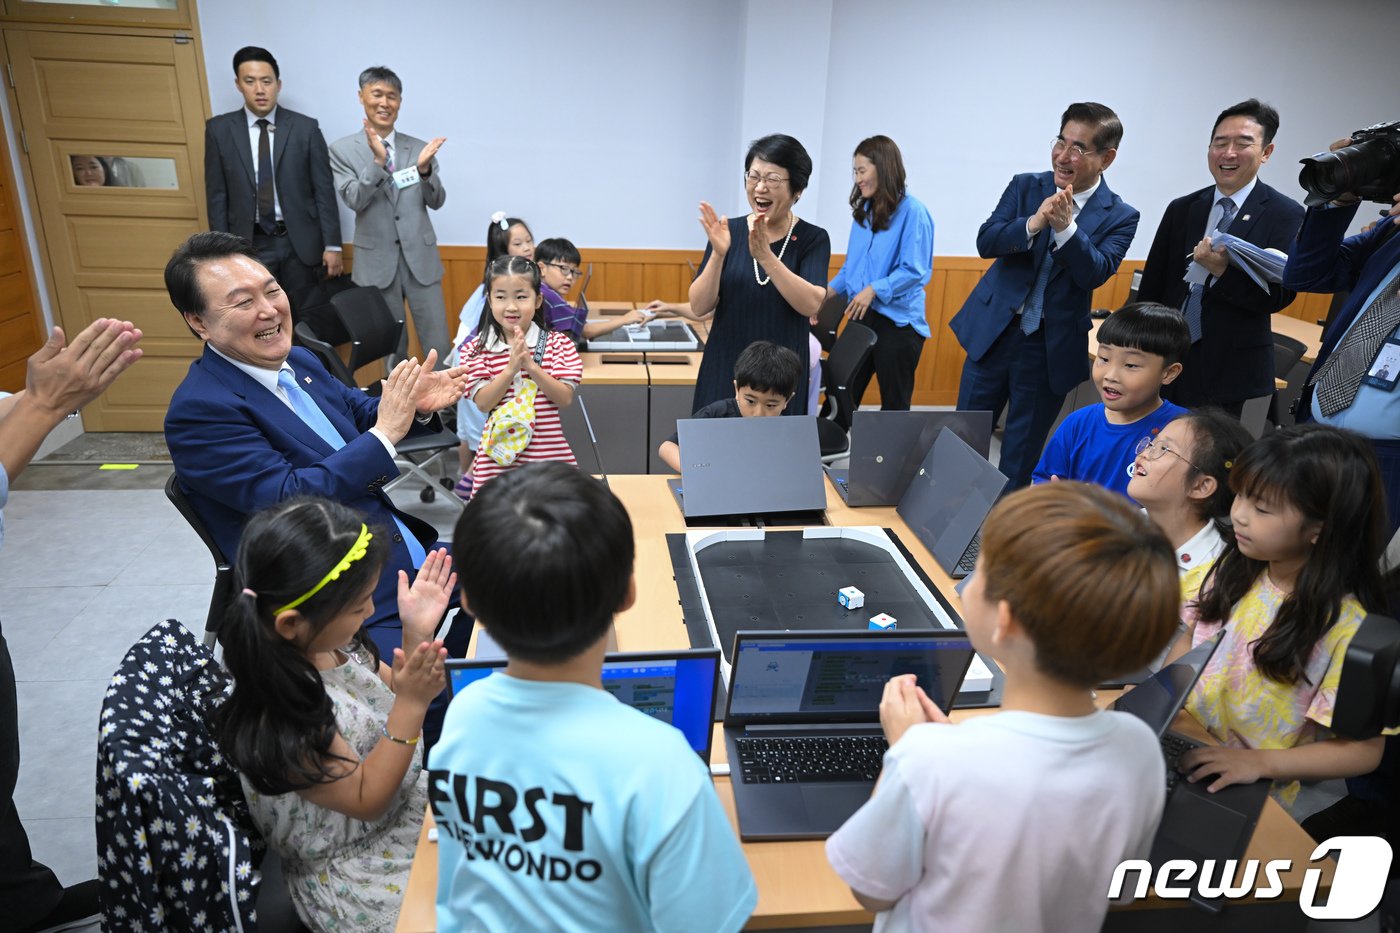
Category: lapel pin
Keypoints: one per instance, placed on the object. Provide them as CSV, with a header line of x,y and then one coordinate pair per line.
x,y
1246,217
308,380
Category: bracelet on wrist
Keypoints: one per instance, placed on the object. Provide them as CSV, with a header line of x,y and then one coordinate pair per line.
x,y
393,738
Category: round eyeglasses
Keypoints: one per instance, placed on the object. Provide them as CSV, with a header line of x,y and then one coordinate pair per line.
x,y
1152,448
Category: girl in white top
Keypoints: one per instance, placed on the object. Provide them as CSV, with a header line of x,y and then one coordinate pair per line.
x,y
1182,480
1016,820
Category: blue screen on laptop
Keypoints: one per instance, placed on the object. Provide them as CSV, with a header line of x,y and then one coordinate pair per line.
x,y
679,691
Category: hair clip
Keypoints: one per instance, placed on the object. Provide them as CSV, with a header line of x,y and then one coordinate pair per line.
x,y
357,550
1229,463
248,592
500,218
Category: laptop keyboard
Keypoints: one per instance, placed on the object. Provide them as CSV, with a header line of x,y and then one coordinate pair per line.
x,y
1173,747
968,562
817,759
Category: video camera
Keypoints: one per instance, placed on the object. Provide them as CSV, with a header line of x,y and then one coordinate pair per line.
x,y
1368,168
1368,695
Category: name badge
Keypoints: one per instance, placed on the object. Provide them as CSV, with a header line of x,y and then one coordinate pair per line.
x,y
406,177
1384,371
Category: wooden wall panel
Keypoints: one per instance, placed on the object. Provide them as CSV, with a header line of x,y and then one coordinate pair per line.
x,y
644,274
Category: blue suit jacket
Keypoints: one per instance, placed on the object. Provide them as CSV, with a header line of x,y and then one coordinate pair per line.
x,y
1106,227
1322,261
238,449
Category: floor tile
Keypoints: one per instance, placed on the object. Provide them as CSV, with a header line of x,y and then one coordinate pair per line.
x,y
122,614
32,616
68,846
58,723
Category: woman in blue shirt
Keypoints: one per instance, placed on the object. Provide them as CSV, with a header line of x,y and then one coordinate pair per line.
x,y
889,258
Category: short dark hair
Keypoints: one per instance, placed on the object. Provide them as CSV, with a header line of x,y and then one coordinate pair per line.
x,y
557,249
766,367
784,151
1256,110
1108,129
252,53
181,272
376,74
498,236
544,554
1149,327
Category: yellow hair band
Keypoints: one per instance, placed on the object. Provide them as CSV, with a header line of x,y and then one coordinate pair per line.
x,y
357,550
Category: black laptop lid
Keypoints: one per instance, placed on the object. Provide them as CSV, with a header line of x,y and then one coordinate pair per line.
x,y
949,497
1158,699
750,466
837,676
676,687
887,448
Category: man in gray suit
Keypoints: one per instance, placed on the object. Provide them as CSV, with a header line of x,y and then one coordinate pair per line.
x,y
390,180
288,211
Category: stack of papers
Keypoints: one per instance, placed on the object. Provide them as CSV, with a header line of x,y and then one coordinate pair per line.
x,y
1262,265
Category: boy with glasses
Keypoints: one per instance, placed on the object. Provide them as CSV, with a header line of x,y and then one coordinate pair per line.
x,y
559,263
1141,347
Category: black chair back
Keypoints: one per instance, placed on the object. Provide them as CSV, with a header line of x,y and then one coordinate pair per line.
x,y
325,353
1287,352
373,327
847,358
223,569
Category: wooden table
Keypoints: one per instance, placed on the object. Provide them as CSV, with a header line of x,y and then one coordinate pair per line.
x,y
1305,332
796,885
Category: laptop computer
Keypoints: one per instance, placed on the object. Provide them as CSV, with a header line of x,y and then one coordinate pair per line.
x,y
888,446
676,687
948,500
749,466
1196,824
802,726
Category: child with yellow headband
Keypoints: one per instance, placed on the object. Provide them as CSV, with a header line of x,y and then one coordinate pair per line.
x,y
324,734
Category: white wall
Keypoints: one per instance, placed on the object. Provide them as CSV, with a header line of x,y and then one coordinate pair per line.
x,y
607,121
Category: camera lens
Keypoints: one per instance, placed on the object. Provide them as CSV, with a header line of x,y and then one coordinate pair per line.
x,y
1351,169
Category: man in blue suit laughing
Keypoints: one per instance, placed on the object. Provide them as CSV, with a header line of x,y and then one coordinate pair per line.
x,y
1056,236
257,421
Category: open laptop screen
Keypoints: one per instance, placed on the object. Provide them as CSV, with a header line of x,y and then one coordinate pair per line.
x,y
839,676
1158,699
675,687
745,466
949,497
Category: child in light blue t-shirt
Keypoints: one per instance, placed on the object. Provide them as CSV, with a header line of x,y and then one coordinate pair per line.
x,y
559,808
1141,347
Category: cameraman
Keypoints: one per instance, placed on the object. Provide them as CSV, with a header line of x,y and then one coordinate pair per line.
x,y
1367,265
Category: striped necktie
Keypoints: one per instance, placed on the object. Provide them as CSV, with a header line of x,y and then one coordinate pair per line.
x,y
1192,308
1339,379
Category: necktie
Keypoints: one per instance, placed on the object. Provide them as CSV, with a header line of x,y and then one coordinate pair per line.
x,y
388,156
267,211
310,413
1340,377
1035,301
1192,308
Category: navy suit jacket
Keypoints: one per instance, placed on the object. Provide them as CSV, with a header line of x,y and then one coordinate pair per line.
x,y
1234,358
301,166
1322,261
237,449
1087,260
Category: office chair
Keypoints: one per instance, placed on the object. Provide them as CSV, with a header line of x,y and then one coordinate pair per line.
x,y
1287,352
848,357
223,569
374,335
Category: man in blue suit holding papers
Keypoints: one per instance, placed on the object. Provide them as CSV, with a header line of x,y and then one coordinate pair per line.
x,y
1056,236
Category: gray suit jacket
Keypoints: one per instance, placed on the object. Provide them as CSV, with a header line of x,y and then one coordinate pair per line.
x,y
388,220
301,168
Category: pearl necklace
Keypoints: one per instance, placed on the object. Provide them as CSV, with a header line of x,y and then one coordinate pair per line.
x,y
792,225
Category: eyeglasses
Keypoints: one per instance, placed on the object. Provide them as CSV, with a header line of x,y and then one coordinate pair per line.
x,y
569,272
1153,448
1076,150
751,180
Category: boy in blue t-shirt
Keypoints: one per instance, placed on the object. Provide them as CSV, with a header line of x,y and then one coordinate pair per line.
x,y
559,808
1141,347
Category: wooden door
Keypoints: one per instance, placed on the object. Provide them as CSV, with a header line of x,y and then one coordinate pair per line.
x,y
133,103
21,321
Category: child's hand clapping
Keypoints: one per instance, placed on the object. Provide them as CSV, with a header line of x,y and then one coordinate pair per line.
x,y
520,359
421,675
421,605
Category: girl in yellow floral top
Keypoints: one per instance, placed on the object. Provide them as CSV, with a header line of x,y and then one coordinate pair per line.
x,y
1290,591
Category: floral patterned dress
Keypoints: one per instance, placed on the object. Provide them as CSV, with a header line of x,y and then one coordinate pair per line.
x,y
346,874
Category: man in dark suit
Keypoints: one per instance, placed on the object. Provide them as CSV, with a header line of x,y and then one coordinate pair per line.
x,y
288,212
242,438
1232,348
1056,236
1367,265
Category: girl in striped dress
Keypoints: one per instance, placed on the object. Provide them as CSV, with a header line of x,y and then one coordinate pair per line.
x,y
515,354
